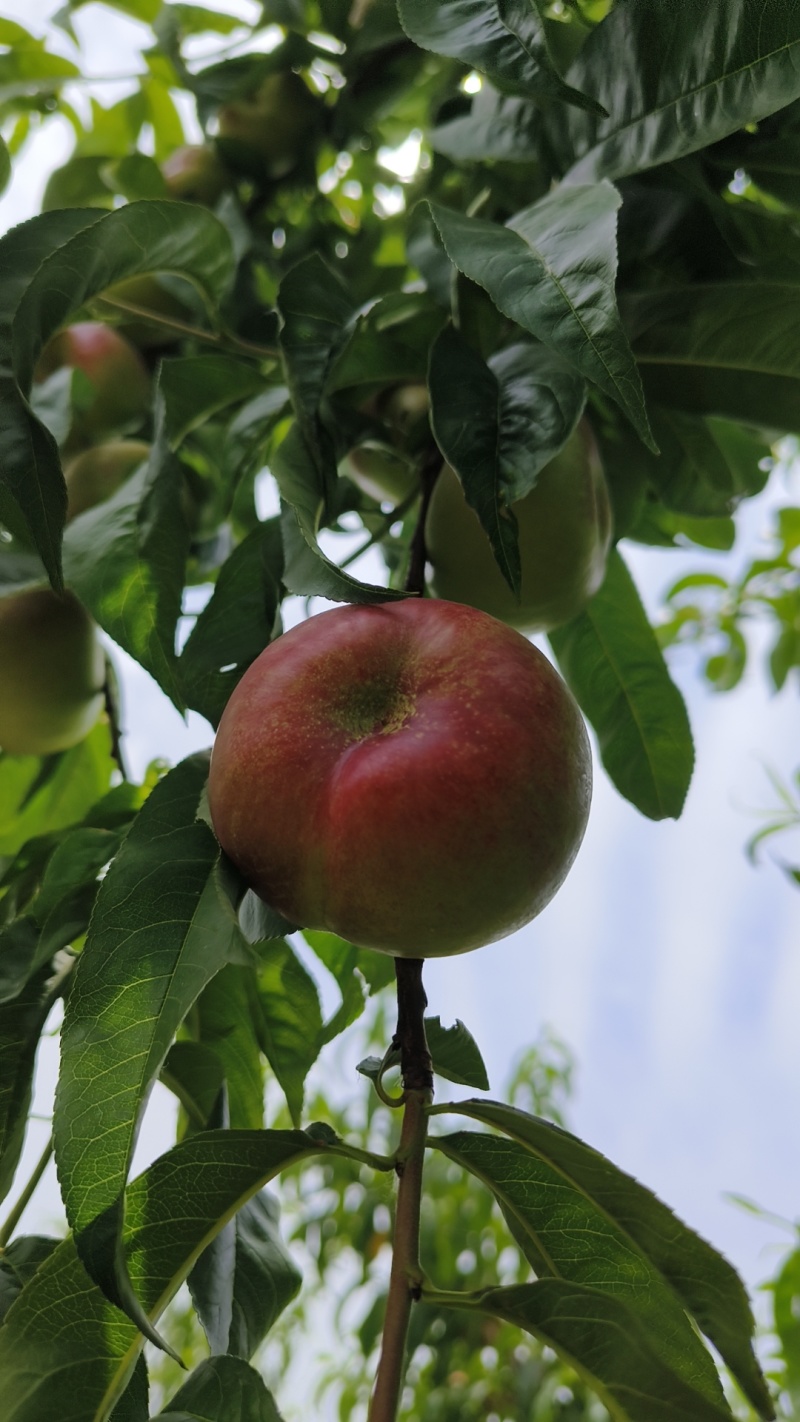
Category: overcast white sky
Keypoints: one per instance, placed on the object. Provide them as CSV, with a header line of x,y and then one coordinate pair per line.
x,y
668,964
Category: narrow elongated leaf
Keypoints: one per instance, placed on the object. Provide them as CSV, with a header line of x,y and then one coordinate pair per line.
x,y
726,349
52,266
611,660
601,1338
236,624
701,72
710,1288
572,1239
160,931
126,558
222,1390
21,1023
306,569
552,270
504,39
134,1405
465,414
245,1279
289,1022
224,1019
5,165
172,1212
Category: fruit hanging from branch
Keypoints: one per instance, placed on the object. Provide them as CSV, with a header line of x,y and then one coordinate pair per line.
x,y
564,538
271,126
120,382
53,670
96,474
194,173
413,776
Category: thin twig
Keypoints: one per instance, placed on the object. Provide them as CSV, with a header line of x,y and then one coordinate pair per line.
x,y
20,1207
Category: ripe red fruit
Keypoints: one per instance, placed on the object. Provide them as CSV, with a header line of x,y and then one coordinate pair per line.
x,y
52,669
117,372
413,776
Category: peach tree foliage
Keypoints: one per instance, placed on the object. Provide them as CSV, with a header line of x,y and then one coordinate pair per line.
x,y
602,224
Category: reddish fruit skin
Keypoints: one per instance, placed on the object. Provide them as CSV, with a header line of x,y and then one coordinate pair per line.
x,y
413,776
117,372
96,474
52,669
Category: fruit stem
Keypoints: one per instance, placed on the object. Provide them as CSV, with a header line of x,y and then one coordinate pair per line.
x,y
415,577
406,1279
20,1207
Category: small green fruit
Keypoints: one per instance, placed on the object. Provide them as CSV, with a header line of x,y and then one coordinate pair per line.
x,y
194,173
92,477
564,537
52,672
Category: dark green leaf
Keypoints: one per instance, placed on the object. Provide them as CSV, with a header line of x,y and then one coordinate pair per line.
x,y
314,311
52,266
160,931
706,466
244,1280
21,1023
456,1054
236,624
497,127
708,1285
390,342
611,660
307,570
20,1260
725,349
195,1074
289,1022
172,1211
552,269
134,1405
222,1390
786,1306
79,777
574,1240
699,73
602,1339
224,1020
504,39
196,387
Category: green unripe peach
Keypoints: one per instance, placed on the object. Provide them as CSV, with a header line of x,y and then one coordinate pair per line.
x,y
52,670
564,537
97,473
274,122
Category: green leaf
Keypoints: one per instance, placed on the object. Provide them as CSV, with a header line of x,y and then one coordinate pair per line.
x,y
307,570
244,1280
52,266
289,1020
504,39
222,1390
699,73
786,1307
21,1023
726,349
603,1340
195,1074
236,624
5,165
18,1264
160,931
172,1212
707,1284
570,1238
552,269
314,310
343,959
389,342
465,414
497,127
456,1054
707,466
196,387
32,805
134,1405
126,559
223,1020
611,660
